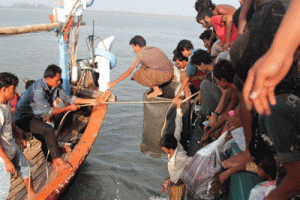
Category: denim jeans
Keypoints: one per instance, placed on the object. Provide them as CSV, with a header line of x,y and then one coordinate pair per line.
x,y
22,167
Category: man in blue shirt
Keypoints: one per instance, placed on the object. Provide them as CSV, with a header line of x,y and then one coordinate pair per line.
x,y
187,50
36,105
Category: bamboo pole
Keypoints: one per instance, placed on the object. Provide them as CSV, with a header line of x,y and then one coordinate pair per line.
x,y
29,29
73,48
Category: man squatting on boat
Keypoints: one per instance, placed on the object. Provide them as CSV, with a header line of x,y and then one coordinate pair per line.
x,y
12,158
35,106
156,68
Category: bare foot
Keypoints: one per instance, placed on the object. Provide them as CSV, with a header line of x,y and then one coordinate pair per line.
x,y
65,147
59,164
154,94
31,194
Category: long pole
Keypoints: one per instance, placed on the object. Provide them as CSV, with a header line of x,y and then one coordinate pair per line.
x,y
29,29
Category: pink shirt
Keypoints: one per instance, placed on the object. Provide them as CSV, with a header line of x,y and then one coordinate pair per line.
x,y
220,28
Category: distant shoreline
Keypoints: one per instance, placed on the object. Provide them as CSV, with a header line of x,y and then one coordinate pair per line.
x,y
48,8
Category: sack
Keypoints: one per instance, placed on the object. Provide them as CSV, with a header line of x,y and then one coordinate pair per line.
x,y
201,175
261,190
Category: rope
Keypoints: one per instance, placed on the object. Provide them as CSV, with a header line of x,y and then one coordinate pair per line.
x,y
165,121
47,172
148,102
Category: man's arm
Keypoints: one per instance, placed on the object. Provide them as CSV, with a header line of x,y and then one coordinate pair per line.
x,y
122,77
186,88
228,21
184,83
72,107
290,184
271,68
218,110
233,103
243,16
8,164
212,37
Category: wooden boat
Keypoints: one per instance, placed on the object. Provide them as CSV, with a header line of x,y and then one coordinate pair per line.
x,y
83,131
80,128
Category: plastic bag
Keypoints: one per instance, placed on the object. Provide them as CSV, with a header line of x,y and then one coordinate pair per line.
x,y
201,175
261,190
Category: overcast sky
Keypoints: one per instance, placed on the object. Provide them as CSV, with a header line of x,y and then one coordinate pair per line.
x,y
168,7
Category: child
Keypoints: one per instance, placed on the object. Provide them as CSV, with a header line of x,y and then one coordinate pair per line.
x,y
178,159
11,157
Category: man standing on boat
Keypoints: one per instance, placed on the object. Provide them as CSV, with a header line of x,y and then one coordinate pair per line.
x,y
36,105
156,68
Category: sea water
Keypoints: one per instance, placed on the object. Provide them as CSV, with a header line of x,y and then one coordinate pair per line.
x,y
115,168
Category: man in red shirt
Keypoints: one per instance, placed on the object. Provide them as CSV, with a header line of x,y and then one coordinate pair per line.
x,y
222,24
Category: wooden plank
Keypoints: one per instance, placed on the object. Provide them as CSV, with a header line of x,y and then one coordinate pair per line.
x,y
78,126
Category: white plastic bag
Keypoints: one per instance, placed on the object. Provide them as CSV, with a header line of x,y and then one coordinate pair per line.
x,y
201,175
239,137
261,190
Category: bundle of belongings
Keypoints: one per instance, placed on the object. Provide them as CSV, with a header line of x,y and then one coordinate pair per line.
x,y
201,175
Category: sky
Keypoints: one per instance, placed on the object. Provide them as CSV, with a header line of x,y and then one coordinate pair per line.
x,y
166,7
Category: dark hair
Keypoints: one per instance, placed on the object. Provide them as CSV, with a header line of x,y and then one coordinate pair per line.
x,y
178,56
224,69
184,44
168,141
203,4
138,40
7,79
29,83
51,71
206,34
201,15
201,56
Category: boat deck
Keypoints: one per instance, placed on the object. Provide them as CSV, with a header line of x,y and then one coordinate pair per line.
x,y
42,172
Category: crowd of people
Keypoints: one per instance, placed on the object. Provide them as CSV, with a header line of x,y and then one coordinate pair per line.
x,y
245,68
250,66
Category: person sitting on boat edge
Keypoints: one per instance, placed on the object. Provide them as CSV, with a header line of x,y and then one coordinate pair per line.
x,y
37,103
11,157
177,157
182,63
186,48
223,74
156,68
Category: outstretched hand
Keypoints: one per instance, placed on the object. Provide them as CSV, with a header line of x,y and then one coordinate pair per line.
x,y
262,79
111,85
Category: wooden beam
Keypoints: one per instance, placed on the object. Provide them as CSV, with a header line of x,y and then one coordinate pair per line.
x,y
29,29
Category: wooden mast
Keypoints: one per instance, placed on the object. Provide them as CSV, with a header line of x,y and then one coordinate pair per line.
x,y
29,29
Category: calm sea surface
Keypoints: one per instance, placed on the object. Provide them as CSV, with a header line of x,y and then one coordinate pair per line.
x,y
115,168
